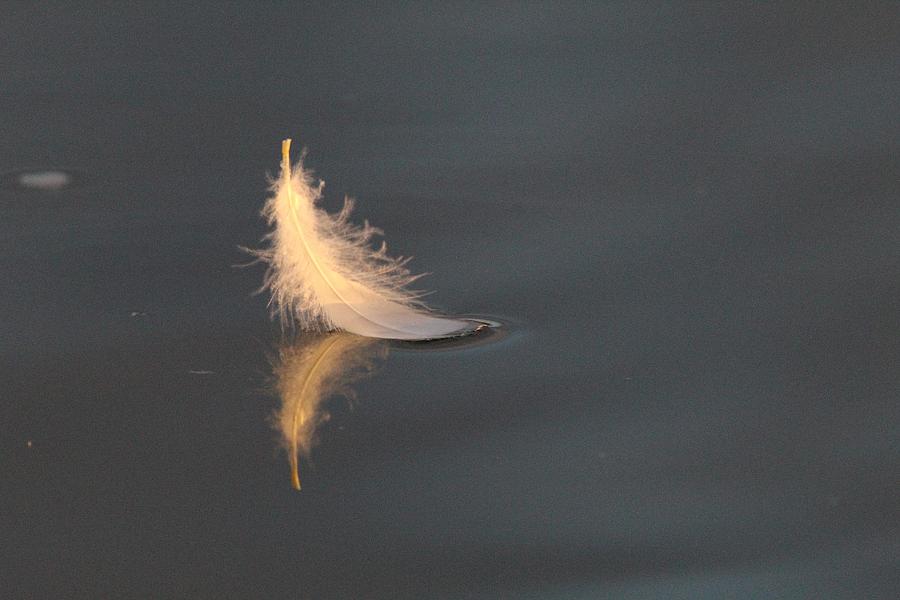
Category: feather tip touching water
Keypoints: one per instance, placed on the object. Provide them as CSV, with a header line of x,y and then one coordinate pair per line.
x,y
325,275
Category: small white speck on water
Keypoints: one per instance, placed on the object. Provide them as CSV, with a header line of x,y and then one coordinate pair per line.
x,y
44,180
201,372
29,444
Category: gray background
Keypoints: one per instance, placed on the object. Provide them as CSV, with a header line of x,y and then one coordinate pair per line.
x,y
687,215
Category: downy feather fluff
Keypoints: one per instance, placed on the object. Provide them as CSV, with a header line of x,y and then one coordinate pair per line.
x,y
325,275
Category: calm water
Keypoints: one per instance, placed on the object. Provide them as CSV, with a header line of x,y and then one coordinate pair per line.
x,y
687,217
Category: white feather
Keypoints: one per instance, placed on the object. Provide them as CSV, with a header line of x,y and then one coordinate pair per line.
x,y
324,274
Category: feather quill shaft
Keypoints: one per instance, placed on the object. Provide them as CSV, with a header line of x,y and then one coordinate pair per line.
x,y
325,275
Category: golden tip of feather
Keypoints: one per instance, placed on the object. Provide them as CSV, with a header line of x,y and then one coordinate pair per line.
x,y
295,479
286,149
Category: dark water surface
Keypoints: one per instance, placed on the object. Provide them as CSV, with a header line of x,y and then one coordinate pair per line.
x,y
688,216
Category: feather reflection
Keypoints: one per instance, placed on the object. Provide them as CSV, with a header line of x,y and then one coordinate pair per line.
x,y
308,373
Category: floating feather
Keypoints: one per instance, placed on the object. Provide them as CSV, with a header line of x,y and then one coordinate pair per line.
x,y
310,372
325,275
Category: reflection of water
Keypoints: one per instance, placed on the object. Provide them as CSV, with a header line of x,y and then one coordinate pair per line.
x,y
308,373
